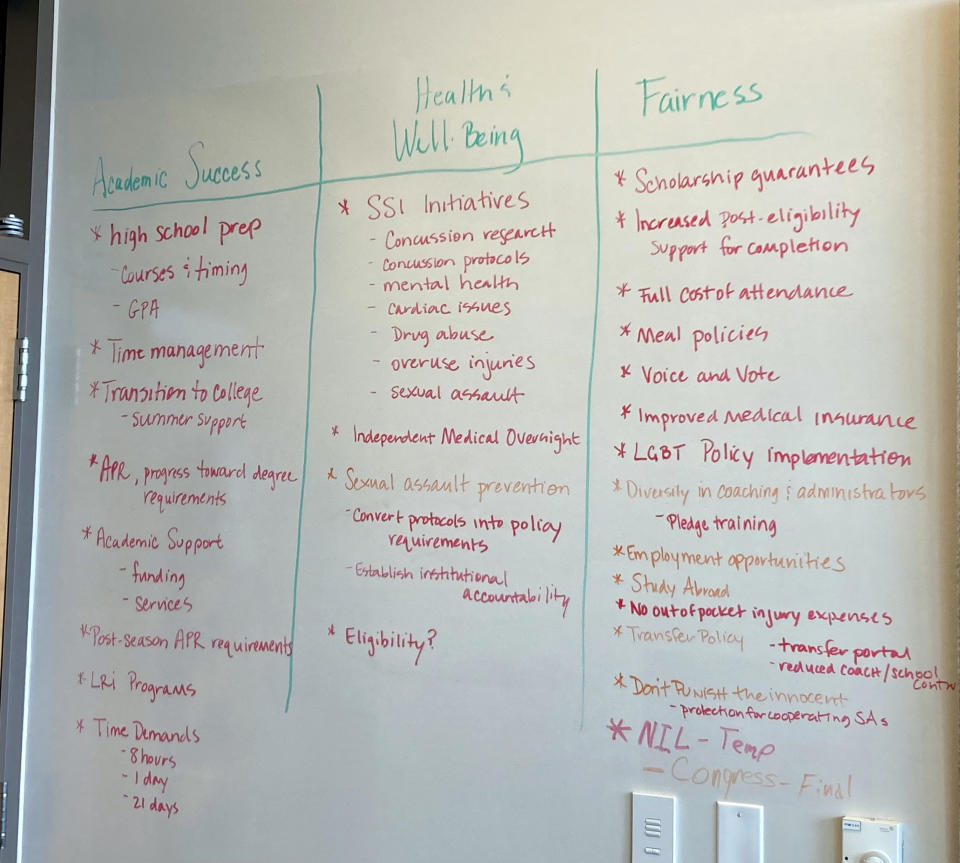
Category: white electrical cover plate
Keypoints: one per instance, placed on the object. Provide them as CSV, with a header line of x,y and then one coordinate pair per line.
x,y
871,840
739,833
654,828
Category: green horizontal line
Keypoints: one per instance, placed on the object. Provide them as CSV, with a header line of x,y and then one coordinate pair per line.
x,y
508,168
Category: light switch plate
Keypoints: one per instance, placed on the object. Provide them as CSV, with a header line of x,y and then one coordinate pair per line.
x,y
654,828
871,840
739,833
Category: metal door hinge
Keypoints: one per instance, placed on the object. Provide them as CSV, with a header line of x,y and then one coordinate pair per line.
x,y
3,817
21,360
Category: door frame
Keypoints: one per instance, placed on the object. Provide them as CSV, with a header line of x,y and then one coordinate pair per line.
x,y
19,556
28,258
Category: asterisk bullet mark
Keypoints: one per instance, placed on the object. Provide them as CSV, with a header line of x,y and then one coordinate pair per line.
x,y
617,578
619,682
623,290
80,678
616,485
330,474
79,726
93,459
625,329
625,411
618,551
335,430
621,218
94,388
618,729
95,346
620,603
86,532
618,631
622,450
330,630
625,370
95,230
344,208
621,177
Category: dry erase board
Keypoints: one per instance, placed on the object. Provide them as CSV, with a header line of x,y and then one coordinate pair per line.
x,y
456,419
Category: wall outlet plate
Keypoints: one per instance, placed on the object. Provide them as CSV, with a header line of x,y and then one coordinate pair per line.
x,y
739,833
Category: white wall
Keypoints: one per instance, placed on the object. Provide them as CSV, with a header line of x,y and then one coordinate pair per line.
x,y
497,730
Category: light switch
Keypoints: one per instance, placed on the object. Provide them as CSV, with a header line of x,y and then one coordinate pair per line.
x,y
739,833
654,828
871,840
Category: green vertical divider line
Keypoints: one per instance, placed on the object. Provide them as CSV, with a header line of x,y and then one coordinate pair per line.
x,y
306,421
593,354
595,155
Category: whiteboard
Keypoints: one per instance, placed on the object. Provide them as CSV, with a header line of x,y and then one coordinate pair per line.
x,y
454,421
